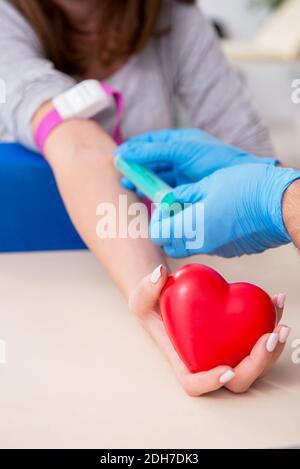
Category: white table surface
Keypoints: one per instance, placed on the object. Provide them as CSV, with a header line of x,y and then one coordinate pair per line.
x,y
80,372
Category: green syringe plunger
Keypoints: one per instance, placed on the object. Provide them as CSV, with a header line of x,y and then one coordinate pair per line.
x,y
147,182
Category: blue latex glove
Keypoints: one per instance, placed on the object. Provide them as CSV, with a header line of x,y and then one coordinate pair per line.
x,y
184,155
242,213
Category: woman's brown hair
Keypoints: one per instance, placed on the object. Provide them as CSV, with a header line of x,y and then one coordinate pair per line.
x,y
125,27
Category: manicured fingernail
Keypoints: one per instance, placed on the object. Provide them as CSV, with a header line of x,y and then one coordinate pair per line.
x,y
272,342
227,376
281,300
156,274
283,334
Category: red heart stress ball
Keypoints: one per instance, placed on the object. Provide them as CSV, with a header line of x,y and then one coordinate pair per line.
x,y
211,322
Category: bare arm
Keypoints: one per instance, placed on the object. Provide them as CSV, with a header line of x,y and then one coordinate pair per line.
x,y
80,155
291,211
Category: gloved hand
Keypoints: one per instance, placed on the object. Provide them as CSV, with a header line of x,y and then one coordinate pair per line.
x,y
242,213
184,155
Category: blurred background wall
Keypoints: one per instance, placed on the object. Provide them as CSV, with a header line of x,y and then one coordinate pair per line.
x,y
241,20
269,82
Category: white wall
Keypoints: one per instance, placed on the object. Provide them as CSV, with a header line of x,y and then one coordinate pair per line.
x,y
268,83
241,19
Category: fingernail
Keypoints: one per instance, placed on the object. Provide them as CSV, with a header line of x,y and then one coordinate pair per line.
x,y
227,376
283,334
156,274
281,300
272,342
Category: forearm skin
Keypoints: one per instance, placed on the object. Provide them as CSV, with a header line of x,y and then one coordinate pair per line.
x,y
291,211
80,155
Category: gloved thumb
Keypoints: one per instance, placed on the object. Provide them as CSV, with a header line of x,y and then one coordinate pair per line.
x,y
192,193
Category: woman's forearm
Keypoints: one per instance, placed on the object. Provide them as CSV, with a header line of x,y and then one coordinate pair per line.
x,y
80,155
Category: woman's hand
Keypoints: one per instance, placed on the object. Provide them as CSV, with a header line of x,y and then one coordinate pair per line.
x,y
144,303
181,156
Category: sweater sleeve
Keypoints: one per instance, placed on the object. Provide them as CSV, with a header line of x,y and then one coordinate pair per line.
x,y
209,89
27,78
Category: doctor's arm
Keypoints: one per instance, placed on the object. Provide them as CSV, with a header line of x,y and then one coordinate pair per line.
x,y
291,212
255,201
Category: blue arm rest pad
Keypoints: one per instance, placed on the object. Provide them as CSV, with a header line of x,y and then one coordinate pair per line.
x,y
32,213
